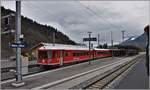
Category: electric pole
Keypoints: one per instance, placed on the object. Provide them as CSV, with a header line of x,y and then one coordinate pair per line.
x,y
122,36
98,40
89,45
18,49
111,39
112,43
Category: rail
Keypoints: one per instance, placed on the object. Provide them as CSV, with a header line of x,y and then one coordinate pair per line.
x,y
107,79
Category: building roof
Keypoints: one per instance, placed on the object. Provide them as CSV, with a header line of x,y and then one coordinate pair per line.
x,y
48,46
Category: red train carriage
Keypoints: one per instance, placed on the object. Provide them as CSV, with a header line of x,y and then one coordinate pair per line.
x,y
102,53
62,54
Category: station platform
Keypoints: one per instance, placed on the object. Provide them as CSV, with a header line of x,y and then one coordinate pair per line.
x,y
39,79
137,77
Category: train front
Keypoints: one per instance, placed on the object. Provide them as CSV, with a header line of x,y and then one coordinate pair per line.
x,y
44,57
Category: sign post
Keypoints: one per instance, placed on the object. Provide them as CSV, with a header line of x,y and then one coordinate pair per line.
x,y
90,39
19,81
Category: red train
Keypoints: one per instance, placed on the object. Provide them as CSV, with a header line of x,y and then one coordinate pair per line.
x,y
62,54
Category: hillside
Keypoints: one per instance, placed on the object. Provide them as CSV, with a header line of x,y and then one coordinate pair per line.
x,y
139,41
34,33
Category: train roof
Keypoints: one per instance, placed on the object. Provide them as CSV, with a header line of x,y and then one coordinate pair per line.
x,y
47,46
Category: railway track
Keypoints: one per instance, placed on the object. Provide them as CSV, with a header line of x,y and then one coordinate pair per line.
x,y
6,74
106,81
3,70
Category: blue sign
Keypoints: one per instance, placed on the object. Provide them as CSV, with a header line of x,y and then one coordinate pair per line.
x,y
19,45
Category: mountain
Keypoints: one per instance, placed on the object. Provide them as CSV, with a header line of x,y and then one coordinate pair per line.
x,y
33,32
140,41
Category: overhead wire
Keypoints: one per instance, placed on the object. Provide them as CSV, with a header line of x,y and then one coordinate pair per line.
x,y
120,26
91,13
89,9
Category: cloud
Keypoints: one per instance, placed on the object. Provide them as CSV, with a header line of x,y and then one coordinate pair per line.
x,y
75,19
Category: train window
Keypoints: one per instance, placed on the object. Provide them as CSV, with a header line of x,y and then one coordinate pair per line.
x,y
74,54
103,52
97,52
84,53
80,54
42,54
87,53
55,55
65,54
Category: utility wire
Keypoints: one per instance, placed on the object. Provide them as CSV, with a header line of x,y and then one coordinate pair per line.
x,y
89,9
120,26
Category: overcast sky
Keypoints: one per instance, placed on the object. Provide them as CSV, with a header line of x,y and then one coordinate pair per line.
x,y
76,18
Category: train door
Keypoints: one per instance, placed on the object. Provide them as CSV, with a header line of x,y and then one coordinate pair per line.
x,y
58,57
61,57
94,54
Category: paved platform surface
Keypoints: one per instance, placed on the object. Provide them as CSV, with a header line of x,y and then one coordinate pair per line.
x,y
137,78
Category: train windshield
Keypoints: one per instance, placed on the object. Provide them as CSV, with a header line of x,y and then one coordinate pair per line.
x,y
45,54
